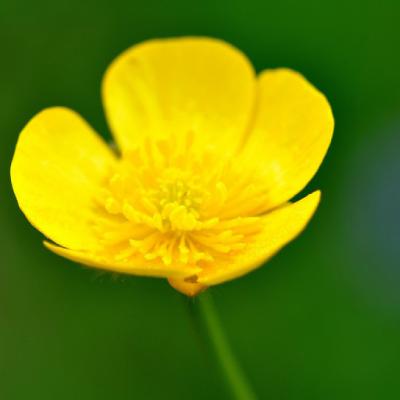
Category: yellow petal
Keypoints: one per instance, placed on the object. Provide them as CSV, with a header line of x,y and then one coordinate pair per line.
x,y
58,162
291,133
179,88
279,228
134,267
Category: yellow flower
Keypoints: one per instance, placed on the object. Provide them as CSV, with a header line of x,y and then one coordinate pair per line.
x,y
210,157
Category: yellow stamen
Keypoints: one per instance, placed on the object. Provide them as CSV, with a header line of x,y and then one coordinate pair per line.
x,y
178,206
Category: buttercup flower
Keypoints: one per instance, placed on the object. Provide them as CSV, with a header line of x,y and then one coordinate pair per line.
x,y
210,156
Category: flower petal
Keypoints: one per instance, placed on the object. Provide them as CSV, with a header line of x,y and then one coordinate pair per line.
x,y
57,164
134,267
291,133
170,88
280,227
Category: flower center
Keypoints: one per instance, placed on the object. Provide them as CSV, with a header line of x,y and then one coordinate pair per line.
x,y
165,205
177,201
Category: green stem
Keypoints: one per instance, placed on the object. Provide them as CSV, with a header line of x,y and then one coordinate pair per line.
x,y
208,325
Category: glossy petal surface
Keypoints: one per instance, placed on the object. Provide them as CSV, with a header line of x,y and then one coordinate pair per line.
x,y
174,88
58,164
291,133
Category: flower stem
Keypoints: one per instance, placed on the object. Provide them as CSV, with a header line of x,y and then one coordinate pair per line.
x,y
207,324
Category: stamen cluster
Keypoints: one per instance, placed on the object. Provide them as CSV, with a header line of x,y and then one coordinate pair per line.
x,y
175,206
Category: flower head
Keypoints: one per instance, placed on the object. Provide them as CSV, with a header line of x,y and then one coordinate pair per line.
x,y
210,156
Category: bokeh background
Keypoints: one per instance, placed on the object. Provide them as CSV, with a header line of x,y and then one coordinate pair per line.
x,y
320,321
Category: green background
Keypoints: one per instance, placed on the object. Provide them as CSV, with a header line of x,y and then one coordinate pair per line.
x,y
320,321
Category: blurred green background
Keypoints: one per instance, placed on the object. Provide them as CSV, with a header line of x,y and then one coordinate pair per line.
x,y
320,321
